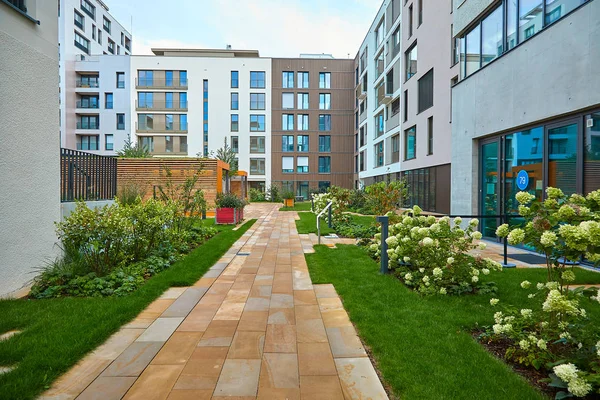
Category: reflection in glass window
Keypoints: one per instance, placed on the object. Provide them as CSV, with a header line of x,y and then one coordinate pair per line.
x,y
257,123
473,44
530,18
511,24
562,158
288,79
287,122
491,37
410,143
287,143
411,62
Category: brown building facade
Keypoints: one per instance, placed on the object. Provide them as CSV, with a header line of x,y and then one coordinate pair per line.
x,y
312,123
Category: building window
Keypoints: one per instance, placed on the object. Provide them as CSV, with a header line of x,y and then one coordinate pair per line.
x,y
183,100
257,144
145,78
324,186
168,144
324,143
405,105
109,142
168,100
491,37
128,47
325,122
302,80
257,101
121,121
303,143
410,143
395,107
379,124
235,83
120,80
362,161
455,41
235,101
147,143
288,80
234,122
379,154
287,101
554,14
411,62
106,24
88,122
79,21
420,3
108,100
235,144
287,165
302,122
183,148
257,166
429,136
168,78
302,189
183,79
287,122
303,101
302,165
287,143
324,164
257,79
426,91
183,126
82,43
257,123
88,8
410,21
88,143
111,46
324,80
168,122
99,36
93,32
324,101
379,34
395,148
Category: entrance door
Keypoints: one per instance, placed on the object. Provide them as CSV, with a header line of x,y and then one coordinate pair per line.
x,y
563,161
489,186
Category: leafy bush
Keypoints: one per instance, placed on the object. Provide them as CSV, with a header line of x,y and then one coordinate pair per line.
x,y
354,230
273,194
256,195
288,195
129,192
358,202
383,197
229,200
432,256
557,334
133,150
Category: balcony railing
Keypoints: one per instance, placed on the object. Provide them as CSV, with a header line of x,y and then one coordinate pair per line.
x,y
84,104
88,125
162,105
86,84
380,66
395,156
161,129
360,91
383,96
160,83
88,146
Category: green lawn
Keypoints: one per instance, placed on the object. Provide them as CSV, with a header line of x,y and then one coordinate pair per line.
x,y
423,345
298,206
308,222
59,332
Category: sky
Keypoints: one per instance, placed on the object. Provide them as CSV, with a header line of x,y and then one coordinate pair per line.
x,y
276,28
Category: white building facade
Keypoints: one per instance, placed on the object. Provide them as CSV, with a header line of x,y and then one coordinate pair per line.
x,y
86,29
189,102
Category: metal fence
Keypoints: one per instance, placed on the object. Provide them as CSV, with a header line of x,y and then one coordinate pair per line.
x,y
87,176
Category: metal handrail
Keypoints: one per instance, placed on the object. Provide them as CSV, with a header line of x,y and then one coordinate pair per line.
x,y
319,219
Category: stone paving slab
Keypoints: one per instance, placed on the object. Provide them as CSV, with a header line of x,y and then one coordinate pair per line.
x,y
253,327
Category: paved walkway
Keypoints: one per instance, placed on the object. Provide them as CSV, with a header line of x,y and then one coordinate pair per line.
x,y
253,327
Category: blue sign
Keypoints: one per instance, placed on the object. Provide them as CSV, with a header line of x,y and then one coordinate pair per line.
x,y
522,180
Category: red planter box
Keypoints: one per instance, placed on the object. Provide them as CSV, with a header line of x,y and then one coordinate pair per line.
x,y
229,215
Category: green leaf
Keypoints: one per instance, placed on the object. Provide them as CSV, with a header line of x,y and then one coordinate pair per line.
x,y
562,395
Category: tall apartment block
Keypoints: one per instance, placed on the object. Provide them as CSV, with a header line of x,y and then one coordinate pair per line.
x,y
29,145
405,68
190,102
526,111
312,123
94,96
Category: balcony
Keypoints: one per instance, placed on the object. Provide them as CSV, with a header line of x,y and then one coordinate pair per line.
x,y
361,92
144,83
384,96
88,105
88,125
162,106
172,129
87,83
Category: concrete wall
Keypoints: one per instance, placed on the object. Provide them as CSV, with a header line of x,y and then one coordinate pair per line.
x,y
553,73
466,11
29,141
67,208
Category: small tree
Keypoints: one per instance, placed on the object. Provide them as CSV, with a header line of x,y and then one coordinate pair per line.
x,y
226,154
384,197
133,150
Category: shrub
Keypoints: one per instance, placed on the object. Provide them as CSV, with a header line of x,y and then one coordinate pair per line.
x,y
288,194
383,197
432,256
556,334
229,200
273,194
358,202
133,150
256,195
129,192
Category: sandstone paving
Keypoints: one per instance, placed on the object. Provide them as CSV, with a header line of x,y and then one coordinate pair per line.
x,y
253,327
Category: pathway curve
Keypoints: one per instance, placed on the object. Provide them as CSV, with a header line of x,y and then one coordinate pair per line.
x,y
253,327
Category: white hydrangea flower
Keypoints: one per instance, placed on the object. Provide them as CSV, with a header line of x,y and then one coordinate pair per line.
x,y
435,227
544,324
565,335
579,345
421,270
408,276
476,235
494,301
526,313
497,329
392,241
457,221
437,272
596,297
525,284
548,239
427,241
498,315
482,246
474,272
450,260
485,271
524,344
579,387
475,279
425,279
540,286
443,290
530,295
406,259
542,344
474,222
566,372
582,312
552,285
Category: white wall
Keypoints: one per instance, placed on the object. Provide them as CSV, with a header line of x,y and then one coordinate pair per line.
x,y
29,142
553,73
218,72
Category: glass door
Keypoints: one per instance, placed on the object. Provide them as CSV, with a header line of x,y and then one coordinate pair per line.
x,y
563,161
489,187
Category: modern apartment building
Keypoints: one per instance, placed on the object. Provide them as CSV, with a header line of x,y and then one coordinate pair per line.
x,y
29,144
189,102
92,94
378,98
405,68
312,123
526,112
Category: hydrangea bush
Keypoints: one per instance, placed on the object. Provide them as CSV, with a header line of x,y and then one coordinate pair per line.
x,y
435,256
556,334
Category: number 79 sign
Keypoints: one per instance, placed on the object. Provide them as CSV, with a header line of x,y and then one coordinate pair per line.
x,y
522,180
